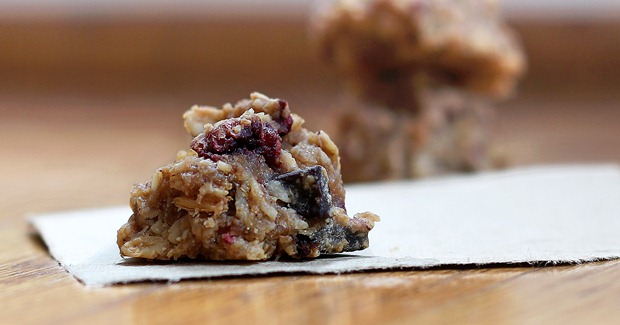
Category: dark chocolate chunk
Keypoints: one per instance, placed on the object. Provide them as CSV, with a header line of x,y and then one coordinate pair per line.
x,y
305,245
309,192
327,237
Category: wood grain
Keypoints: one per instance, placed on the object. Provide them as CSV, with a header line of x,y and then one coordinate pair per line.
x,y
63,153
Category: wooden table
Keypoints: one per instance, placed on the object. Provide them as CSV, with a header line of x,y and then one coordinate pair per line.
x,y
62,153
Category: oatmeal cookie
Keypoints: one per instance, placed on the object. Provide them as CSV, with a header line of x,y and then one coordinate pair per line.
x,y
388,48
254,184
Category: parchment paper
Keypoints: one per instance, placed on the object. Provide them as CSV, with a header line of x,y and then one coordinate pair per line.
x,y
537,214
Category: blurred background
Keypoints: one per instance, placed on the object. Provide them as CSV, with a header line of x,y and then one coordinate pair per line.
x,y
92,92
191,47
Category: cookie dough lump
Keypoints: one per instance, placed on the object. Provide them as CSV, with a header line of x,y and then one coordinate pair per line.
x,y
253,185
423,76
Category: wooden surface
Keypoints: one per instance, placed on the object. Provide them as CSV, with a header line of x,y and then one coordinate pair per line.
x,y
90,106
65,152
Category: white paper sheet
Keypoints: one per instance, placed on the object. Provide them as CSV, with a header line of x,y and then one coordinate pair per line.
x,y
539,214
